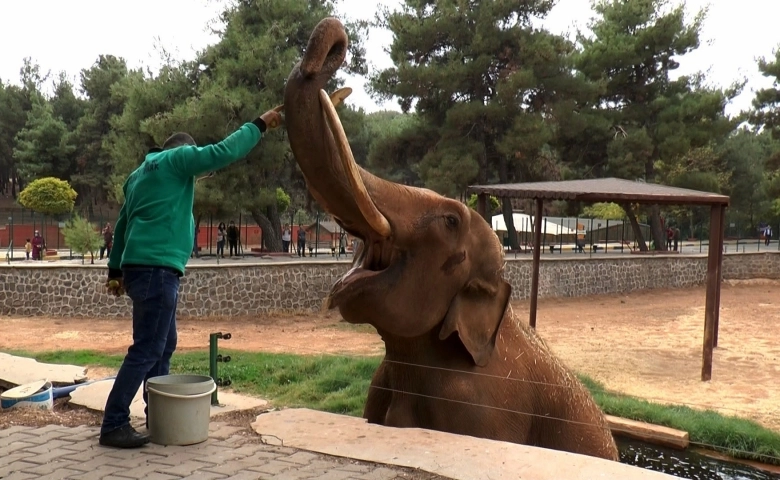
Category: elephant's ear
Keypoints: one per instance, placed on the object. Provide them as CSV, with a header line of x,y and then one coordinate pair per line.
x,y
476,313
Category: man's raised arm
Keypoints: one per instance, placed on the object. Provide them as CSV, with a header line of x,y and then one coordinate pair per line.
x,y
192,161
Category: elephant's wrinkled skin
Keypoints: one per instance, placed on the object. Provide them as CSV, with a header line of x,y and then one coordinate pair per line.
x,y
429,279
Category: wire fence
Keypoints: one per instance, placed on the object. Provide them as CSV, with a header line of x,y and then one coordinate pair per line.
x,y
323,237
429,379
561,235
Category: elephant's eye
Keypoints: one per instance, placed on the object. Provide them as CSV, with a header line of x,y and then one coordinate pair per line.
x,y
452,221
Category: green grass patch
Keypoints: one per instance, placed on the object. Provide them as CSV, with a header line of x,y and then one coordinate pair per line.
x,y
340,384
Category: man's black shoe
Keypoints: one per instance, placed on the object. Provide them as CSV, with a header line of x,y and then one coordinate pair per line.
x,y
124,437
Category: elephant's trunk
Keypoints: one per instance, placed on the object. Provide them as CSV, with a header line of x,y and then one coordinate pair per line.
x,y
318,141
326,50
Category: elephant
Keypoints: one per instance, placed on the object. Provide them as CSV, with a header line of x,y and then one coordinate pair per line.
x,y
429,277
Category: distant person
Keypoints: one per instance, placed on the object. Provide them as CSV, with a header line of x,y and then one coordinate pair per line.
x,y
38,245
108,240
676,238
154,237
768,236
669,238
221,232
232,237
286,239
301,242
27,249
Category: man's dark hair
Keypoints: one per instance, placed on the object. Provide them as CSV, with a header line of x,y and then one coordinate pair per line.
x,y
177,140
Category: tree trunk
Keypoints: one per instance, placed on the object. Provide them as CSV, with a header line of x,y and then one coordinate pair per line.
x,y
506,210
690,235
659,236
271,227
506,204
657,232
640,239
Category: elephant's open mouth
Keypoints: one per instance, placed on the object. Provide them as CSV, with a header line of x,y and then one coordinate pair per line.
x,y
372,261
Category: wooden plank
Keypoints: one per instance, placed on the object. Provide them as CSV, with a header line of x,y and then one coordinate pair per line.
x,y
647,432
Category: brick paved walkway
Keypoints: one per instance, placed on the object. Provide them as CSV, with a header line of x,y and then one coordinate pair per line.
x,y
55,452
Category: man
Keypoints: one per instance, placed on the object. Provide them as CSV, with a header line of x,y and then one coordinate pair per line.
x,y
232,237
301,242
153,240
108,239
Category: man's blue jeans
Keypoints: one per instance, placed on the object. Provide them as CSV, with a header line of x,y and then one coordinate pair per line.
x,y
154,292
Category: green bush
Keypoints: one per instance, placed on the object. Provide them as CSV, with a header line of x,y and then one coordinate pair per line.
x,y
82,237
494,203
48,196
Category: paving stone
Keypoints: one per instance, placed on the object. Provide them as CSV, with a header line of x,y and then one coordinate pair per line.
x,y
300,458
93,464
48,447
14,446
20,476
85,444
61,474
380,473
160,476
336,475
46,428
203,475
248,476
15,429
48,456
47,437
89,453
16,437
99,473
43,468
352,467
223,431
187,467
234,459
18,455
176,459
141,471
273,467
235,466
17,466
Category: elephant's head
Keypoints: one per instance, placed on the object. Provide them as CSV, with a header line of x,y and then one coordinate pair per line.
x,y
427,261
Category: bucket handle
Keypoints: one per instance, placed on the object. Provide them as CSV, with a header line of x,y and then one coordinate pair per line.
x,y
185,397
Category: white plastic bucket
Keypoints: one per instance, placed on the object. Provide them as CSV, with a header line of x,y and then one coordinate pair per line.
x,y
179,408
37,394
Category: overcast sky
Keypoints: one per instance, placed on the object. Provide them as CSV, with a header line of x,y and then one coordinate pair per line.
x,y
69,35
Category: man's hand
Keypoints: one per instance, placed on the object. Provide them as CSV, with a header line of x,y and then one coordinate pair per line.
x,y
115,287
272,118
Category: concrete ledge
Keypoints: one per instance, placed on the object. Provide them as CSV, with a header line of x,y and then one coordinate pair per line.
x,y
455,456
16,371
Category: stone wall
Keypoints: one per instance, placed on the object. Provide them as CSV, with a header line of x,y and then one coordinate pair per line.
x,y
250,289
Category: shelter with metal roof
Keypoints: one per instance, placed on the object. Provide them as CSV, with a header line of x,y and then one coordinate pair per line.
x,y
619,191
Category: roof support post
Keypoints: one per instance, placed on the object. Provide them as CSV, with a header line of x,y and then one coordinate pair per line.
x,y
712,308
537,258
722,234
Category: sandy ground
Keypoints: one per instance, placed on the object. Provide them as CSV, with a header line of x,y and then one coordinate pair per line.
x,y
646,344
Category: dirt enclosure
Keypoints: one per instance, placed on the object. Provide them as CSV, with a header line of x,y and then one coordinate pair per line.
x,y
646,344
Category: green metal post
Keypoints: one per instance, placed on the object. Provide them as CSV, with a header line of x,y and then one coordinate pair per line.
x,y
213,364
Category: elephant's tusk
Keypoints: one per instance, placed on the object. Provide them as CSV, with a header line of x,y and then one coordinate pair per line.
x,y
373,216
337,98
